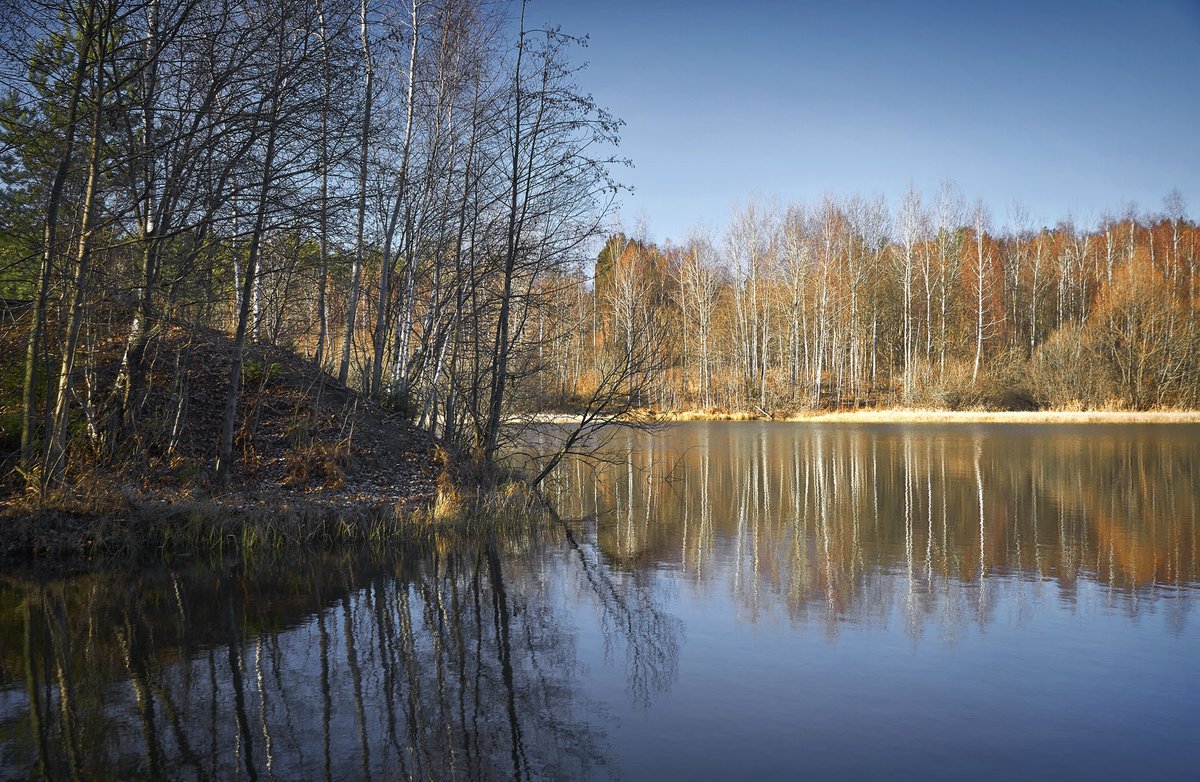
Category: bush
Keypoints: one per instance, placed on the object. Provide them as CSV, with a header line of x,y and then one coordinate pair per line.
x,y
318,464
948,389
255,371
399,400
1066,372
1002,384
1144,339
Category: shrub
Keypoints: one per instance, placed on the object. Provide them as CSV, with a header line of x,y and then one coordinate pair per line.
x,y
1002,384
1066,373
944,389
317,463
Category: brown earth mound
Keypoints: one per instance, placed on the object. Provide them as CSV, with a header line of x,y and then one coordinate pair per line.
x,y
304,445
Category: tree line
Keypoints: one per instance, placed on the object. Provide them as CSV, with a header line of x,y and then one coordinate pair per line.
x,y
849,303
394,188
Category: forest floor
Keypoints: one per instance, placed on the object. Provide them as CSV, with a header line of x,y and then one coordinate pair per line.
x,y
316,461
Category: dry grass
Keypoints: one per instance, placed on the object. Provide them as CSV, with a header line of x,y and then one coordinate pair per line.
x,y
74,531
661,416
931,416
709,414
469,490
905,416
316,463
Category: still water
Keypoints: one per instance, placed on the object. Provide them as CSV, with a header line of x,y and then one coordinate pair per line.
x,y
716,600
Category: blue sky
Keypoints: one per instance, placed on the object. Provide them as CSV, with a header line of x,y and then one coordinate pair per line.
x,y
1072,107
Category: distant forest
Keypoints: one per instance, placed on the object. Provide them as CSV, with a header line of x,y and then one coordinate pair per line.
x,y
412,194
846,303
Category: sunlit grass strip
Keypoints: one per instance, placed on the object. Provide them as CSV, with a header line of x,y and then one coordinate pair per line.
x,y
910,415
1006,416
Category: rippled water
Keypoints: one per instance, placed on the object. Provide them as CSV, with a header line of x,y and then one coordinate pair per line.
x,y
715,600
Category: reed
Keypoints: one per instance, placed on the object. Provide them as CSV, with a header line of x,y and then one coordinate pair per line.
x,y
206,527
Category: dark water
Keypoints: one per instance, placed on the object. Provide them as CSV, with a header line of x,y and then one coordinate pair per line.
x,y
718,601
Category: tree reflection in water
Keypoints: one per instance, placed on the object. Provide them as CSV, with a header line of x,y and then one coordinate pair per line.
x,y
455,662
836,523
459,659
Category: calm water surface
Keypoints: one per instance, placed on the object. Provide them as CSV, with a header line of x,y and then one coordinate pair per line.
x,y
718,600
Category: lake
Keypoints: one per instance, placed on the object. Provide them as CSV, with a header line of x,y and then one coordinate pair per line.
x,y
712,601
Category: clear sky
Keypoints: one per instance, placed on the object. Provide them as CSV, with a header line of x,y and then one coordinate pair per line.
x,y
1072,107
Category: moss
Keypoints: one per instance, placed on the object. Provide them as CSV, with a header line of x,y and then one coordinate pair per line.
x,y
258,371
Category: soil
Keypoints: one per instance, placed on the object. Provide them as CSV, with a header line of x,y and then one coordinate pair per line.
x,y
306,447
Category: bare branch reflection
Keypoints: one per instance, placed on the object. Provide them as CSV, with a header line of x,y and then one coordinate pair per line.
x,y
459,659
455,661
831,523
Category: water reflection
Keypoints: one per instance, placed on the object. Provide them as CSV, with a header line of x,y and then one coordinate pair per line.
x,y
838,523
452,663
560,651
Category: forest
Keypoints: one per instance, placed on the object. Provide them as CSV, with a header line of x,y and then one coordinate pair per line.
x,y
848,303
417,199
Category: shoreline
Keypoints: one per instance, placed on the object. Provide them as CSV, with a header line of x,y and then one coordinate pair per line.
x,y
368,508
1008,416
910,416
157,524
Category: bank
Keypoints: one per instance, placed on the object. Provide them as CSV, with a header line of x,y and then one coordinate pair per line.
x,y
903,415
317,463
